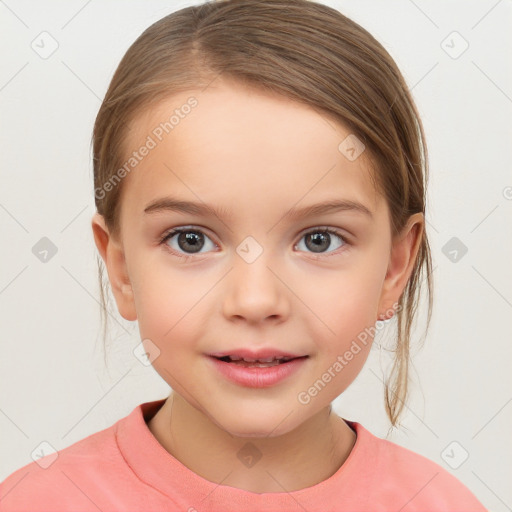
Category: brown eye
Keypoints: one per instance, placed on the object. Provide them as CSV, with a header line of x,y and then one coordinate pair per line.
x,y
185,241
190,241
319,240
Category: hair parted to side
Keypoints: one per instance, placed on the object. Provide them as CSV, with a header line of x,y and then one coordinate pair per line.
x,y
305,51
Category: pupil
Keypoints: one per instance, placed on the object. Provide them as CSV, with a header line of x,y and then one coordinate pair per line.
x,y
191,238
320,241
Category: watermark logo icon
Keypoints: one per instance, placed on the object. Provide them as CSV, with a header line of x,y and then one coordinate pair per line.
x,y
146,352
351,147
455,455
45,45
249,455
454,250
44,454
454,45
44,250
249,249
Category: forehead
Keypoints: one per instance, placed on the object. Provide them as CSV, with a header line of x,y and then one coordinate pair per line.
x,y
244,149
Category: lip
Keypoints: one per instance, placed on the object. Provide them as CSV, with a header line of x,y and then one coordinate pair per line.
x,y
263,353
257,377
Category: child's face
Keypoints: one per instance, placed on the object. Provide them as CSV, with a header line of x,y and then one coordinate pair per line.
x,y
253,157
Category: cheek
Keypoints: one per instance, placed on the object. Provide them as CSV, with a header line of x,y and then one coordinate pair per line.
x,y
155,297
169,306
347,299
345,308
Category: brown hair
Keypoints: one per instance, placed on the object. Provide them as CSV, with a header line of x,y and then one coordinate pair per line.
x,y
305,51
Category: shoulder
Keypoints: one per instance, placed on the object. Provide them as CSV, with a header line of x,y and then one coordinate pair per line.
x,y
412,481
62,478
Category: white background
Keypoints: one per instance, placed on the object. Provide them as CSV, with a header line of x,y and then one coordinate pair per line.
x,y
54,385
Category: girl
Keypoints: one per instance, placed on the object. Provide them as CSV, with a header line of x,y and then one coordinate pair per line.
x,y
259,174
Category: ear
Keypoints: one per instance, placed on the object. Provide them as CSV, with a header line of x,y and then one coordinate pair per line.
x,y
112,253
403,254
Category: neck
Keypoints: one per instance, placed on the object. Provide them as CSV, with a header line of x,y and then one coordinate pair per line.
x,y
301,458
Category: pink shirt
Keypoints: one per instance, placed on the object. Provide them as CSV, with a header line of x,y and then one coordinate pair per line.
x,y
124,468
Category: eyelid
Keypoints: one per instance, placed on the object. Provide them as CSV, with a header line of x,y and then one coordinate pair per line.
x,y
180,228
318,228
332,230
171,232
183,256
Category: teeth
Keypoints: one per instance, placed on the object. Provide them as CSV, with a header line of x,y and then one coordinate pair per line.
x,y
266,365
265,360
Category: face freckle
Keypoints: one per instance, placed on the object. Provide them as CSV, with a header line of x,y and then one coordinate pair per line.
x,y
253,157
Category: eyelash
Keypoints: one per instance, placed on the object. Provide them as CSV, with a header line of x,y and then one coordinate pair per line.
x,y
176,231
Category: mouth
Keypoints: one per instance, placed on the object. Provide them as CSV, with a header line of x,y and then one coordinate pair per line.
x,y
266,362
268,369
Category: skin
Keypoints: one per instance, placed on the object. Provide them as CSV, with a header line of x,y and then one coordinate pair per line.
x,y
256,155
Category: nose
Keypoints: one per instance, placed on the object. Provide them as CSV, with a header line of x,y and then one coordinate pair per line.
x,y
255,292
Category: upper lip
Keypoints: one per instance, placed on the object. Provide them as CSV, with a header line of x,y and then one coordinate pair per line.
x,y
264,353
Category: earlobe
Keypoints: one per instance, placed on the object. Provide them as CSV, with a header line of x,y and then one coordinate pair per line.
x,y
112,254
403,255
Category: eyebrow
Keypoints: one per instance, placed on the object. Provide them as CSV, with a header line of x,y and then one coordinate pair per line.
x,y
203,209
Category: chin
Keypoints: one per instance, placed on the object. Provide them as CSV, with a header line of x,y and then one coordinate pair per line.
x,y
256,424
